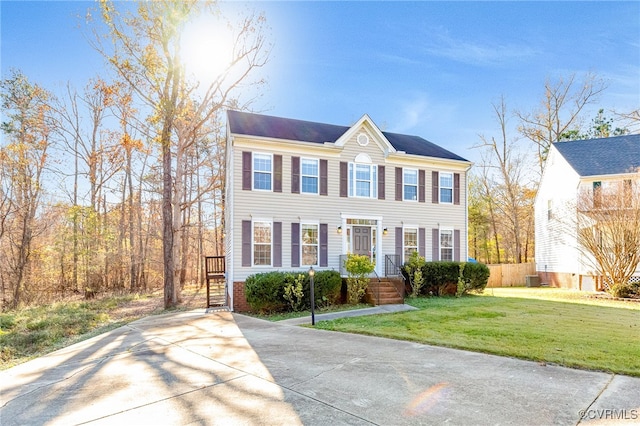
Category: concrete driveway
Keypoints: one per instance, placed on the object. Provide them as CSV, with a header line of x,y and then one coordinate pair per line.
x,y
223,368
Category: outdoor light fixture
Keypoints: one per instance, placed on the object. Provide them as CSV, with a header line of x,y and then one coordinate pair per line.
x,y
339,229
385,231
313,299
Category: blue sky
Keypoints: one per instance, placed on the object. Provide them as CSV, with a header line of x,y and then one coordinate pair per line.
x,y
425,68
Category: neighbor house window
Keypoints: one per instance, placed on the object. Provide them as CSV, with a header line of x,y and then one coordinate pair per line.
x,y
309,244
410,242
262,237
309,176
446,244
363,180
446,187
262,171
410,183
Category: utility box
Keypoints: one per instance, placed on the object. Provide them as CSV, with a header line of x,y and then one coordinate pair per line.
x,y
532,280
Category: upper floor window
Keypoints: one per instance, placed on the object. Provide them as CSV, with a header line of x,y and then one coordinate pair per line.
x,y
309,176
262,171
410,242
363,180
309,244
446,187
410,184
262,237
446,244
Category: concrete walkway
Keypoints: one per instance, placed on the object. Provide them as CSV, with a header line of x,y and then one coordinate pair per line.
x,y
223,368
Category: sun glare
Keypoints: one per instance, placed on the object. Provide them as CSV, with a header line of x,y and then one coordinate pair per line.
x,y
207,48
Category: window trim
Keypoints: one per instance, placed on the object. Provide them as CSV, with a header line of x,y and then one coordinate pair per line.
x,y
253,242
440,247
405,184
317,176
302,244
404,240
442,187
352,180
254,171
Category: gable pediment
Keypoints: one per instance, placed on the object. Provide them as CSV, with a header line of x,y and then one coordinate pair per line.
x,y
366,134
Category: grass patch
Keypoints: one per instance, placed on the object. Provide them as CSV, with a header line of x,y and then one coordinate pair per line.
x,y
31,332
299,314
547,325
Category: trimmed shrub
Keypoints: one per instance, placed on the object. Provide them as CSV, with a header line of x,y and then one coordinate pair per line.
x,y
450,278
280,291
265,292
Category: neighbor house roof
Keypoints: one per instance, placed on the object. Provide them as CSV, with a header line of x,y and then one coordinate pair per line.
x,y
604,156
249,124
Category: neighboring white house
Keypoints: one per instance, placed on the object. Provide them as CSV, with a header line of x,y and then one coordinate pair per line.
x,y
302,194
596,165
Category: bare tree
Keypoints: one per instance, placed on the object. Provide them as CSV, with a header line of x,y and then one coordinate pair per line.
x,y
24,158
506,185
560,111
145,51
608,230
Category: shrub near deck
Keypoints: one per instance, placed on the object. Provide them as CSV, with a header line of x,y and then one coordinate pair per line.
x,y
570,332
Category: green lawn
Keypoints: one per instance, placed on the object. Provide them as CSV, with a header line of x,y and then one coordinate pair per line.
x,y
548,325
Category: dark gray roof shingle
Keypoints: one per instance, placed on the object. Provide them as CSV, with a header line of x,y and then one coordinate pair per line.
x,y
249,124
604,156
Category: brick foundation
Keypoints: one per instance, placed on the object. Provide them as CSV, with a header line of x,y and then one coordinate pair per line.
x,y
239,299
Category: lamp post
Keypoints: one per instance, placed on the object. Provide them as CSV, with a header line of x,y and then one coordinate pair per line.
x,y
313,299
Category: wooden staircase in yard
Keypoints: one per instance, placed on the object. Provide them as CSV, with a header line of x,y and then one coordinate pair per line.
x,y
385,291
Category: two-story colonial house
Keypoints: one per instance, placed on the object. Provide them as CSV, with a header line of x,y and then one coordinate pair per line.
x,y
601,169
301,194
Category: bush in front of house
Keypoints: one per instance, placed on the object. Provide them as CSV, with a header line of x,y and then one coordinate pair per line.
x,y
358,268
449,278
279,291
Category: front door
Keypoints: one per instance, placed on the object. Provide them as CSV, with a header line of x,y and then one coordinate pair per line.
x,y
362,240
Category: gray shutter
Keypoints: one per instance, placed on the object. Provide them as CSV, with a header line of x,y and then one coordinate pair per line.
x,y
277,244
295,175
422,241
456,188
295,245
421,186
398,183
381,182
324,244
324,177
246,171
246,243
456,245
435,244
435,181
277,173
344,179
399,241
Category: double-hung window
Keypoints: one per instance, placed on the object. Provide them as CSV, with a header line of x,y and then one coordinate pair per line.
x,y
446,187
410,242
262,171
363,180
262,238
309,244
410,184
446,244
309,175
